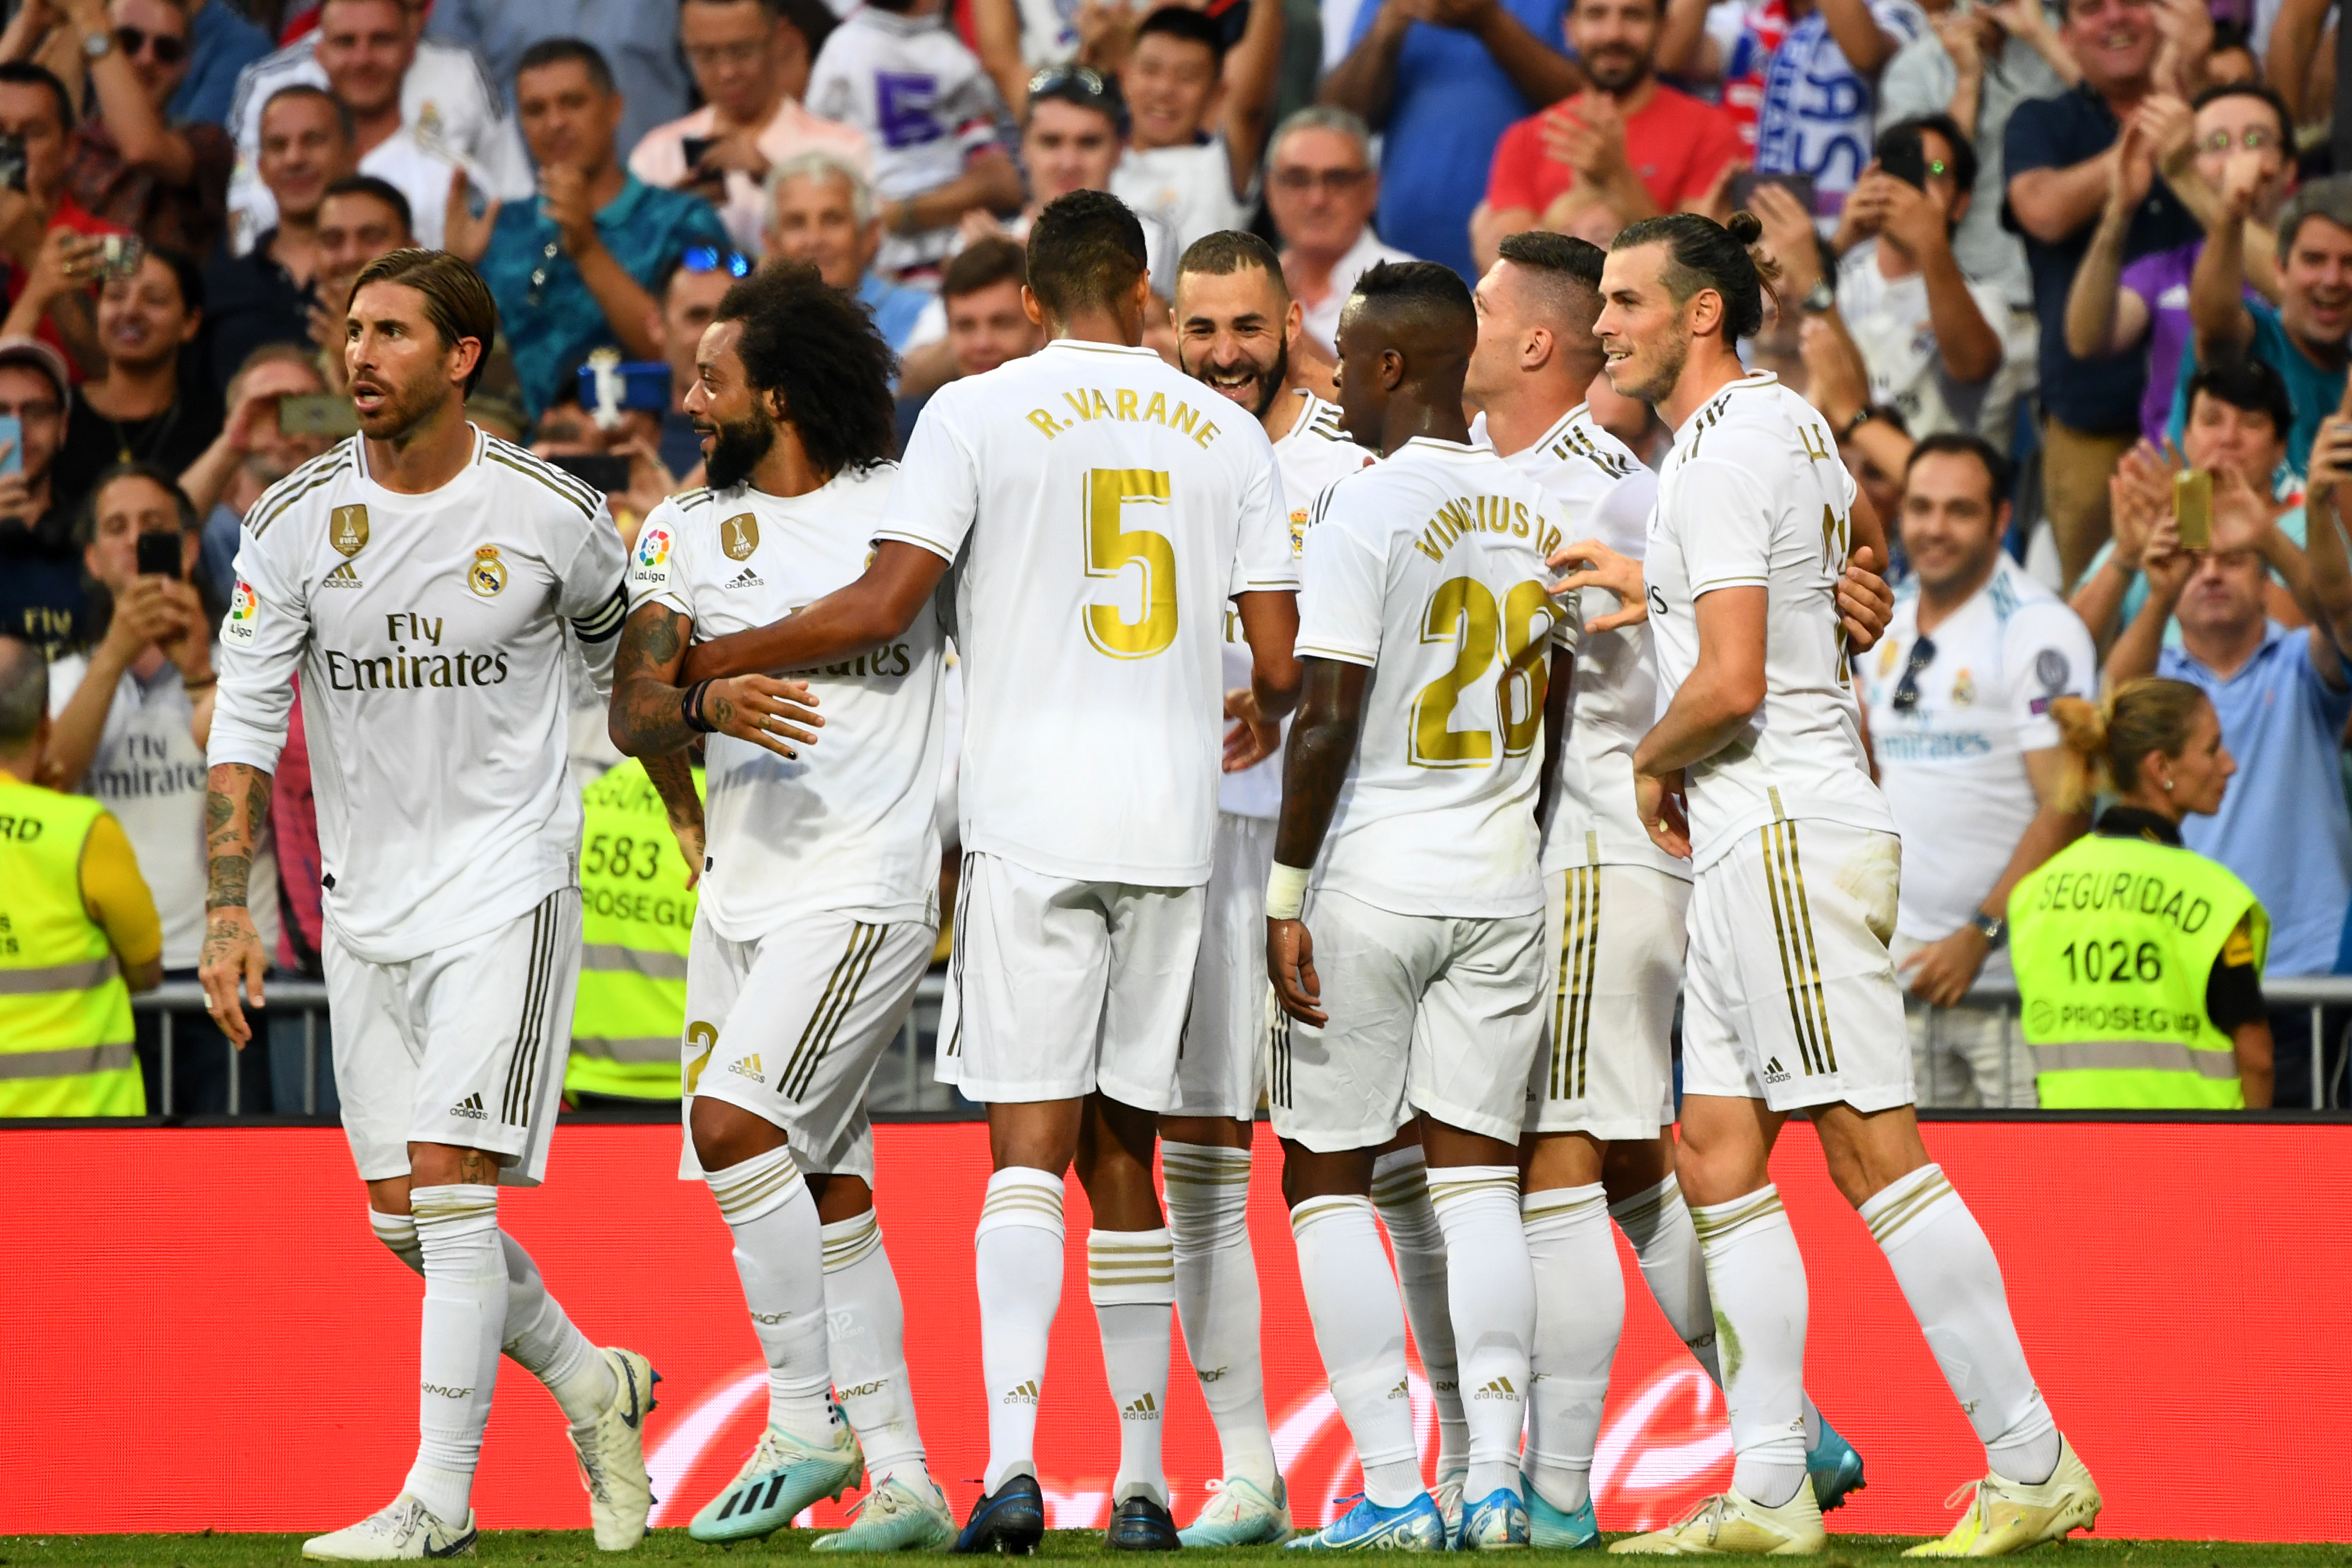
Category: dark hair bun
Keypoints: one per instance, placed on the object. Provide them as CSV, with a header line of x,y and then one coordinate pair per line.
x,y
1746,227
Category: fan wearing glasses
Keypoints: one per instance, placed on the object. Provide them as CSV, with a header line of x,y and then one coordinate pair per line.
x,y
1957,696
1321,189
127,161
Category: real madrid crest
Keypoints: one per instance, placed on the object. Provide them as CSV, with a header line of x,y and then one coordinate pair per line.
x,y
347,530
1964,690
1297,533
739,535
488,574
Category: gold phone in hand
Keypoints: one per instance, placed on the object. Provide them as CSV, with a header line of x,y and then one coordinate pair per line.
x,y
2192,508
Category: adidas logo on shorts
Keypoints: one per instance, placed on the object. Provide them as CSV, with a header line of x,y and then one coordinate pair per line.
x,y
470,1108
1774,1072
1500,1388
1143,1409
748,1067
1024,1394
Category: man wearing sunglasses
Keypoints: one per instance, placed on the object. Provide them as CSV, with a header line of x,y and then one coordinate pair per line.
x,y
1958,696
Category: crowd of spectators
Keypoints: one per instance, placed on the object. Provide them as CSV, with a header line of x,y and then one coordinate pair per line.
x,y
2033,261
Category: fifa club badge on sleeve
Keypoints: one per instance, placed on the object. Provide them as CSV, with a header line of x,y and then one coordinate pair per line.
x,y
488,574
347,530
739,535
244,611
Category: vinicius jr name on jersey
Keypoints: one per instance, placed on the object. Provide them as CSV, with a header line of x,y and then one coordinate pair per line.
x,y
1088,404
1484,514
402,671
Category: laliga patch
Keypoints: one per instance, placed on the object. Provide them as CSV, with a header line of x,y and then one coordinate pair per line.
x,y
649,566
242,622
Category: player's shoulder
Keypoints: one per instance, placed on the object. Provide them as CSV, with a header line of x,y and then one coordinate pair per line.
x,y
298,496
533,482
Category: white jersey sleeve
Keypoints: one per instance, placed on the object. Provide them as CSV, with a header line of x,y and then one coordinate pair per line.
x,y
267,630
1342,593
590,594
937,494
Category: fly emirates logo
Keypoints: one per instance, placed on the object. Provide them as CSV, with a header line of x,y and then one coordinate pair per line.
x,y
417,660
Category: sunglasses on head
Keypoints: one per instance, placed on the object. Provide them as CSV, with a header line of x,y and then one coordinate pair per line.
x,y
1907,690
166,49
1062,79
699,258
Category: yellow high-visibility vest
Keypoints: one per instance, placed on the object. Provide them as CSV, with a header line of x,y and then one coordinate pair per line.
x,y
636,914
65,1012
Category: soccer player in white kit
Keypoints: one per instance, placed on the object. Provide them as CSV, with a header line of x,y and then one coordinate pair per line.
x,y
428,581
1413,986
820,890
1235,326
1755,770
1602,1098
1099,511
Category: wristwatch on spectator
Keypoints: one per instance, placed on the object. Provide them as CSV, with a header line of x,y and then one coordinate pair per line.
x,y
97,46
1820,299
1993,928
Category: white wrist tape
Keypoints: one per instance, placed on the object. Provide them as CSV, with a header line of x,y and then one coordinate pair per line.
x,y
1286,891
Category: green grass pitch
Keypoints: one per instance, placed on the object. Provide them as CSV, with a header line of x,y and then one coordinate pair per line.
x,y
563,1547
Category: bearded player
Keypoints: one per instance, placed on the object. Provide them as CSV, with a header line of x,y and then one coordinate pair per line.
x,y
819,906
1235,326
1754,772
427,582
1100,511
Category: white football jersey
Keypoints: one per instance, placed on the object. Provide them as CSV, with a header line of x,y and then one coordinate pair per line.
x,y
848,825
1189,189
429,633
1753,495
1100,508
1429,567
1313,453
1601,491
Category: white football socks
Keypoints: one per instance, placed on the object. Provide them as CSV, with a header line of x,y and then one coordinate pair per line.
x,y
539,1337
1131,1280
1579,1316
457,1355
865,1326
1217,1301
1952,1279
1017,1260
780,1256
1757,1279
1401,1194
1491,1290
1658,1226
1352,1300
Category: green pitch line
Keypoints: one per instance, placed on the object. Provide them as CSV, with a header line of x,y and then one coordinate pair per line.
x,y
555,1548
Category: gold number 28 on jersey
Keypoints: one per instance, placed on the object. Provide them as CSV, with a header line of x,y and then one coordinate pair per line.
x,y
1111,546
1463,612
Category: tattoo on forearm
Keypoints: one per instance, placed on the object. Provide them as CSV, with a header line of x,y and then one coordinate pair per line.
x,y
233,819
230,874
673,779
646,718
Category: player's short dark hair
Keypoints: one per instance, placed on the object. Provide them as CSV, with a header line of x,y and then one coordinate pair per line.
x,y
1228,251
2269,95
1085,249
1703,254
1563,254
24,690
2245,383
1187,25
819,348
983,264
577,51
335,106
1959,442
1422,292
1904,135
374,189
457,301
24,73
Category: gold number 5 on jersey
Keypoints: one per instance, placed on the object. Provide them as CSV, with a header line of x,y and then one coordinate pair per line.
x,y
1111,547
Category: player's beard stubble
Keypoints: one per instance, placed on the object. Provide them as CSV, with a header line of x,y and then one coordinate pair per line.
x,y
737,448
1268,380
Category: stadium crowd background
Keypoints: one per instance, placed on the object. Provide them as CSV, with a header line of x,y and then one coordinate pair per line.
x,y
2105,239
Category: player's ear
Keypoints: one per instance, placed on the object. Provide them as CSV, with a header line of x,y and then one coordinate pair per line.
x,y
1536,352
1391,374
1030,307
1704,314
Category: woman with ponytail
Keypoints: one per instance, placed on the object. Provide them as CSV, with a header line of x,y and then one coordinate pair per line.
x,y
2138,961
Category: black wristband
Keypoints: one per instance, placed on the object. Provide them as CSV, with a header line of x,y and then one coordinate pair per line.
x,y
689,707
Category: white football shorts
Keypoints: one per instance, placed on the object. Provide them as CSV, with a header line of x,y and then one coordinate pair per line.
x,y
1424,1014
464,1045
1792,996
1059,989
1615,937
791,1027
1220,1060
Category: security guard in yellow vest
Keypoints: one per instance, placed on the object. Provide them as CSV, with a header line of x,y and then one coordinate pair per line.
x,y
637,913
78,927
2138,961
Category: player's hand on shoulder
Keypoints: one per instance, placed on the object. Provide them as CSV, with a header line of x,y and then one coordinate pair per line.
x,y
1865,602
775,714
1593,565
1290,964
232,958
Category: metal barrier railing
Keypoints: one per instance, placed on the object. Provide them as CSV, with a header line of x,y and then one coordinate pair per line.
x,y
916,1036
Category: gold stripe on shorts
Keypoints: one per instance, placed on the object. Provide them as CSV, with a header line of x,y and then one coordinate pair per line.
x,y
1793,927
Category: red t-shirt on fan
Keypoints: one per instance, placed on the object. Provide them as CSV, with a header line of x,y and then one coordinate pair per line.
x,y
67,214
1675,144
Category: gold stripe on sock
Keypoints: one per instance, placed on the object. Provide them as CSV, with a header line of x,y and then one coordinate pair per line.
x,y
1713,1224
1906,1208
1315,1209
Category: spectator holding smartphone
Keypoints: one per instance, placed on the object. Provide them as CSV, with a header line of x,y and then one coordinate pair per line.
x,y
145,408
130,721
254,449
41,596
50,237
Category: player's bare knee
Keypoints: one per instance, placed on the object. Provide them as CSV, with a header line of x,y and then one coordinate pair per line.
x,y
1554,1159
446,1165
726,1135
389,1196
1868,1152
1345,1172
1631,1166
1037,1135
1114,1164
839,1197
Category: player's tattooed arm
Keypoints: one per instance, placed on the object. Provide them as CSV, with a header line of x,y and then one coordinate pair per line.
x,y
1322,742
651,698
673,777
236,803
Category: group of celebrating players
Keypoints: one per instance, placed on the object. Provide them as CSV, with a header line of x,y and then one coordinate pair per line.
x,y
1564,738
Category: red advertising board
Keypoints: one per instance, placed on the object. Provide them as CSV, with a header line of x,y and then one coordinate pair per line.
x,y
214,1300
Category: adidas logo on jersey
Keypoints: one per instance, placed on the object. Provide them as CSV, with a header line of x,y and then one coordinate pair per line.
x,y
1142,1409
747,1066
1500,1388
746,578
343,576
1774,1072
1024,1394
472,1109
1402,1390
